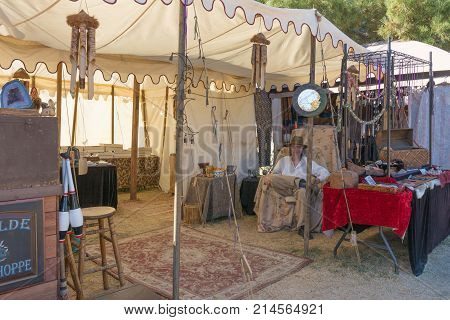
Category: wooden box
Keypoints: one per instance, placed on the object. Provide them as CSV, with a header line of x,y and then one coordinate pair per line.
x,y
29,186
401,139
29,151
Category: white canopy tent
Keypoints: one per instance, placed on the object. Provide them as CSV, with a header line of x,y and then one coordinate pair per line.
x,y
132,40
141,38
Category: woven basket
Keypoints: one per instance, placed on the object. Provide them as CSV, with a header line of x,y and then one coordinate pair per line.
x,y
191,214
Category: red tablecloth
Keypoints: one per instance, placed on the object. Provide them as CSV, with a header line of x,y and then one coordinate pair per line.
x,y
367,207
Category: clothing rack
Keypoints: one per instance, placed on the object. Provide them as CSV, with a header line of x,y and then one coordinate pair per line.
x,y
398,71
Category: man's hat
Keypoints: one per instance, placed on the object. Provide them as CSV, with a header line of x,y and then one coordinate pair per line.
x,y
297,141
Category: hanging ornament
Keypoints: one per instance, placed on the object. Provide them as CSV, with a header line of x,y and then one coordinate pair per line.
x,y
259,60
82,50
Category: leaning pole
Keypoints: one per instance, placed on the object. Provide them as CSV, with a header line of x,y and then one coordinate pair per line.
x,y
179,148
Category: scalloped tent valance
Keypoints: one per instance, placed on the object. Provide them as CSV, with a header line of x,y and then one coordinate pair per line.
x,y
139,37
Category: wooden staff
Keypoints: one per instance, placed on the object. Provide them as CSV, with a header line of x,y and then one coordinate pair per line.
x,y
166,103
75,113
112,114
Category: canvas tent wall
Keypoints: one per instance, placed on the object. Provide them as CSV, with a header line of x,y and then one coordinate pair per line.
x,y
441,58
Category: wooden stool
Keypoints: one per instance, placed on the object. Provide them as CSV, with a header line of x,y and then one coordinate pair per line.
x,y
100,214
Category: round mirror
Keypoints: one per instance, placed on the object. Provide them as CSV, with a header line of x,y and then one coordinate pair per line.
x,y
309,100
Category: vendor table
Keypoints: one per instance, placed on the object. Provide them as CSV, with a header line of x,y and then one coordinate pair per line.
x,y
98,187
212,195
147,176
247,193
367,207
430,224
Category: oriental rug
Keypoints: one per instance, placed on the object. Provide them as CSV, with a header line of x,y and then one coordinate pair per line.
x,y
210,266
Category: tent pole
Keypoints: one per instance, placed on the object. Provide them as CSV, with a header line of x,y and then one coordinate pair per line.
x,y
342,102
431,98
134,141
388,106
144,119
59,100
112,114
75,114
179,148
312,80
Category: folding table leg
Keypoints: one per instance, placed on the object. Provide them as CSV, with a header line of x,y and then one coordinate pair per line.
x,y
338,244
389,249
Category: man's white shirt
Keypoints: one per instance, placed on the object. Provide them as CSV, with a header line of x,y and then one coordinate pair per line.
x,y
286,167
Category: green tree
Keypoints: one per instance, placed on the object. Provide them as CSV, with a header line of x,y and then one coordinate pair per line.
x,y
359,19
422,20
367,21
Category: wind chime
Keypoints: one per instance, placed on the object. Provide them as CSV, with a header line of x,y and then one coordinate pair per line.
x,y
259,60
82,51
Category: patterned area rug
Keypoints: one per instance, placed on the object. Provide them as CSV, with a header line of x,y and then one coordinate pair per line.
x,y
210,266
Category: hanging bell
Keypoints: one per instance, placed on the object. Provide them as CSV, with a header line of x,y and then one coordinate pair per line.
x,y
259,60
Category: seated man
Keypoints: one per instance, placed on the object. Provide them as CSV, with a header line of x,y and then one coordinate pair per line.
x,y
295,164
280,196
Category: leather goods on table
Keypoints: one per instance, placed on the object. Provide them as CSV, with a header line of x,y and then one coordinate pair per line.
x,y
381,188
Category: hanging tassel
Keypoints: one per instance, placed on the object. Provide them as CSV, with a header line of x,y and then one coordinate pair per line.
x,y
91,61
82,51
259,60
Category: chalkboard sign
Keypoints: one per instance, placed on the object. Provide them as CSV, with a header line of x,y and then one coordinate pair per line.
x,y
21,244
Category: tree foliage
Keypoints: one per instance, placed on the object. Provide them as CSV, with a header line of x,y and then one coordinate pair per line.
x,y
367,21
424,20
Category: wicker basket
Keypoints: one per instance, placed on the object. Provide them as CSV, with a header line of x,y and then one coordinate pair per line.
x,y
191,214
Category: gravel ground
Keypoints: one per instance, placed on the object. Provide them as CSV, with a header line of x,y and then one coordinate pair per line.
x,y
326,278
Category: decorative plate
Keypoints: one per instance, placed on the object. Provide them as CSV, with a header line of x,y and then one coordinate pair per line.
x,y
309,100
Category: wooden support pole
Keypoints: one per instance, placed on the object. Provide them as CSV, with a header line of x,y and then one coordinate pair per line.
x,y
179,149
134,142
112,114
59,100
312,79
75,114
144,119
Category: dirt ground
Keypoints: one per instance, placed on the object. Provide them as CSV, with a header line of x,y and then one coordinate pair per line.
x,y
326,278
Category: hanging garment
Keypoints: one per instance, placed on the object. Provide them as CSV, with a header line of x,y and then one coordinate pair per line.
x,y
263,114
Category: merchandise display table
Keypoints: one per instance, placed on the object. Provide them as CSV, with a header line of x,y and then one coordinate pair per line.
x,y
369,208
247,193
212,196
98,187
